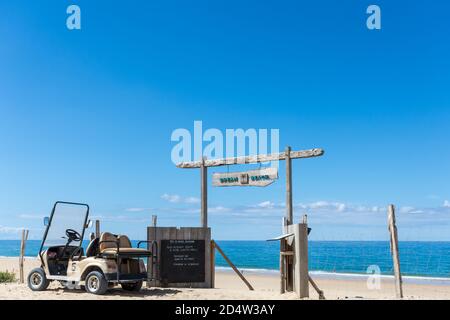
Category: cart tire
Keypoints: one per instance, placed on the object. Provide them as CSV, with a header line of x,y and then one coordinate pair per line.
x,y
96,283
136,286
37,280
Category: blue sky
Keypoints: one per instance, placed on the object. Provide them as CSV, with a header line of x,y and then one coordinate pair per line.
x,y
87,115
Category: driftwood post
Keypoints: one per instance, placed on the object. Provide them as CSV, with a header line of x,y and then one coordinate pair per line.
x,y
289,211
394,251
213,264
289,261
204,194
97,228
151,268
282,259
301,257
22,254
233,267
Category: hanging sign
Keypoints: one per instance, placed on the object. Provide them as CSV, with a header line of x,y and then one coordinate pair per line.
x,y
254,178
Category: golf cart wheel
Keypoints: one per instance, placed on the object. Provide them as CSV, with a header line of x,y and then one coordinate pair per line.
x,y
96,283
135,286
37,280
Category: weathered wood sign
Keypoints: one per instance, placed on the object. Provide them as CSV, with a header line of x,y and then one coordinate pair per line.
x,y
254,178
182,261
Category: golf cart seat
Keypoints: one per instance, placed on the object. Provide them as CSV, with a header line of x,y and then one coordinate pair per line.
x,y
111,245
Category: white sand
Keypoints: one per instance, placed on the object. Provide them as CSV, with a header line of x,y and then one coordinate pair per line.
x,y
228,286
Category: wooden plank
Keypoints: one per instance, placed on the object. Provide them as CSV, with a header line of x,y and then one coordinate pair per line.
x,y
180,234
158,237
171,234
252,159
234,267
395,251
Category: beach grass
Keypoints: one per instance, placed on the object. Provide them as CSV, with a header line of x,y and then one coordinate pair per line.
x,y
6,277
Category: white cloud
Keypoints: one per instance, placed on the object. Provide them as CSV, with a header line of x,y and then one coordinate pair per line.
x,y
406,209
10,230
121,218
137,209
175,198
218,209
192,200
446,204
31,216
266,205
326,206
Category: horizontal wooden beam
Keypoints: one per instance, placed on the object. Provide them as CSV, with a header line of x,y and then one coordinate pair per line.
x,y
252,159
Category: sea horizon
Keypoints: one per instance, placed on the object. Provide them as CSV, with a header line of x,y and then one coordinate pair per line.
x,y
420,260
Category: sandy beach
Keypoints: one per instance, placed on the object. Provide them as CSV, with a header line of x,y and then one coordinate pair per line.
x,y
228,286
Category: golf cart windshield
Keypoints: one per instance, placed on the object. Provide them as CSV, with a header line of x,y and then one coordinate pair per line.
x,y
66,216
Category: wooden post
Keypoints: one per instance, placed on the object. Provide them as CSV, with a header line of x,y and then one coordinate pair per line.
x,y
22,254
97,228
289,211
282,259
233,267
204,196
394,251
301,260
319,292
213,264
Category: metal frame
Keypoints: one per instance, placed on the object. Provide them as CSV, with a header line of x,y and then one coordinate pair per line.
x,y
50,224
120,256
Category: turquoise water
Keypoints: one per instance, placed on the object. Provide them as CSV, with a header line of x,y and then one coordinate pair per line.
x,y
424,259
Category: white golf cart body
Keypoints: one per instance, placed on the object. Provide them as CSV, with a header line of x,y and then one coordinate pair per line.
x,y
108,260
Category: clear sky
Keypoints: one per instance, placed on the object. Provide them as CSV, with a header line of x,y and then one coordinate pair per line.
x,y
87,115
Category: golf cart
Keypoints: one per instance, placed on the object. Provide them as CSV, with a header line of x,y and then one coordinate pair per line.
x,y
108,260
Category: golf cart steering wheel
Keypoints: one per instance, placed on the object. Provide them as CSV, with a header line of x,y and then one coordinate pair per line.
x,y
73,235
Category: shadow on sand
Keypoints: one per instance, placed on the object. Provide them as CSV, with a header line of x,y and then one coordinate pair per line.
x,y
144,292
117,291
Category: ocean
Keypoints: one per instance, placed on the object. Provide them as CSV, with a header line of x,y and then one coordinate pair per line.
x,y
418,259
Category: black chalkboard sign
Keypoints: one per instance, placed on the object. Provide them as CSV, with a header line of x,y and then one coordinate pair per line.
x,y
182,261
